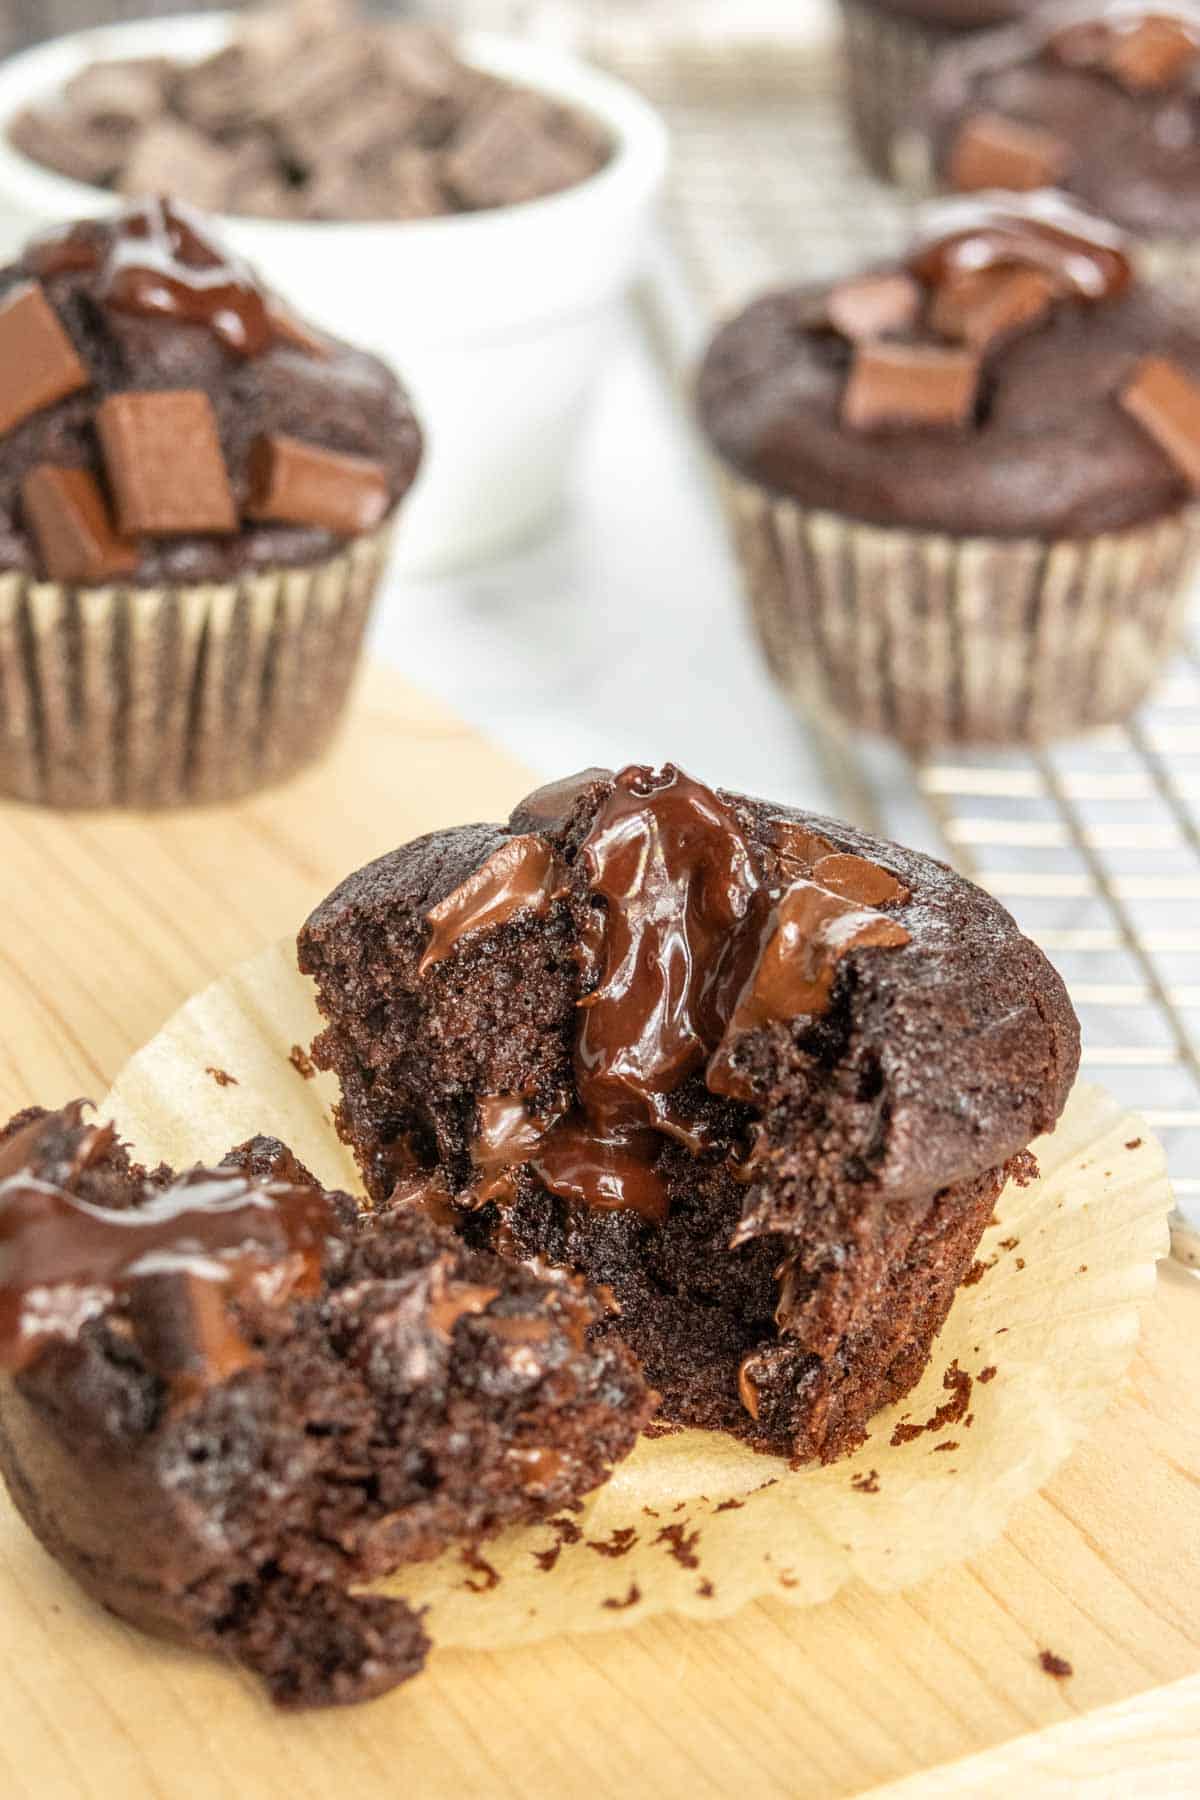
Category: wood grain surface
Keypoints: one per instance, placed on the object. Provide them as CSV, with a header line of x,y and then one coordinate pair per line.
x,y
108,923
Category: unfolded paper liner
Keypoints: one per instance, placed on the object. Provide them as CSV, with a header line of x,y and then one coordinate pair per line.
x,y
938,639
887,62
160,696
695,1523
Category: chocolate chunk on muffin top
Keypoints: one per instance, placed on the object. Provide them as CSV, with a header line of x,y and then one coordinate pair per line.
x,y
229,1398
993,383
165,418
1100,100
759,1074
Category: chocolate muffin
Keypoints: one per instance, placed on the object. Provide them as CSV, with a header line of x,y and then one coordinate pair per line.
x,y
230,1398
196,491
761,1076
1097,100
964,483
888,48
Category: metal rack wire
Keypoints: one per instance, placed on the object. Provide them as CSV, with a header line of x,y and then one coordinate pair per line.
x,y
1094,845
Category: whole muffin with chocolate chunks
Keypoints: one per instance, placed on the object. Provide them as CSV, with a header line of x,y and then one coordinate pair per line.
x,y
889,47
965,483
228,1398
196,491
1099,100
761,1076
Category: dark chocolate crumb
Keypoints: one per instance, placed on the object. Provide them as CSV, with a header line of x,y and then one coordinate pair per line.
x,y
950,1444
1134,1144
706,1590
650,1512
978,1270
619,1544
1020,1264
1009,1243
1082,1269
631,1599
1058,1666
866,1483
958,1383
681,1543
222,1077
968,1421
302,1062
729,1506
546,1559
489,1577
988,1374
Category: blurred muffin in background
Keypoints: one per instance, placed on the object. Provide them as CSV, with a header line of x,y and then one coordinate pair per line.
x,y
1098,100
196,495
964,484
888,47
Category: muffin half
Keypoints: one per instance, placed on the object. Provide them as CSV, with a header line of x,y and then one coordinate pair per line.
x,y
759,1075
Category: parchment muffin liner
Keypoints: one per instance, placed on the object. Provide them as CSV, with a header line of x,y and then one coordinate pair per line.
x,y
886,59
932,639
695,1523
162,696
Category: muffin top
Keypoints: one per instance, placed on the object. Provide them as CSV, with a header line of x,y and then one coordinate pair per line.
x,y
163,417
1099,100
1010,377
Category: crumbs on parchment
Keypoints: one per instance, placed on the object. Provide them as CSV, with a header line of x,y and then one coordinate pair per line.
x,y
302,1062
222,1077
631,1599
1058,1666
958,1384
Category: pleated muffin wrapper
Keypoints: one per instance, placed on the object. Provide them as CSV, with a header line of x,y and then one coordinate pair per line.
x,y
887,60
164,696
695,1523
933,639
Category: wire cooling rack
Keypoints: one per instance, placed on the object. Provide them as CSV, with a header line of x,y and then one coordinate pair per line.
x,y
1094,845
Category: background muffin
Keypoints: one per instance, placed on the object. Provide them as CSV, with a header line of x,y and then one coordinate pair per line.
x,y
195,495
1097,100
889,46
964,483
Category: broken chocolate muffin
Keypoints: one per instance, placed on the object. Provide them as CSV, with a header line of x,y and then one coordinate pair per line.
x,y
229,1398
759,1074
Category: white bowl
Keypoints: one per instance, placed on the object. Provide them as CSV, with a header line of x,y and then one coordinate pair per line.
x,y
497,321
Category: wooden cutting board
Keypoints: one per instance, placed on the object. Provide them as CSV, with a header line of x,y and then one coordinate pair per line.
x,y
109,922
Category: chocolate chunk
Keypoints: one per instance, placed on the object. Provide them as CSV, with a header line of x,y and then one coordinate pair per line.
x,y
71,146
874,305
170,157
549,808
508,155
991,151
607,1172
301,484
979,307
38,362
1166,403
909,384
164,463
523,875
1152,54
129,92
854,878
69,518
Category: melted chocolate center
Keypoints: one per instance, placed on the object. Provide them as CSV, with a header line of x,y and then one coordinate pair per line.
x,y
694,944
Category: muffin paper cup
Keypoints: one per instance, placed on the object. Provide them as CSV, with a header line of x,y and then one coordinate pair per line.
x,y
694,1522
140,696
937,639
887,61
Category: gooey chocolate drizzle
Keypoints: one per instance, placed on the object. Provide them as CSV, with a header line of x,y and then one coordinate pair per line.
x,y
156,260
1084,256
172,1262
692,944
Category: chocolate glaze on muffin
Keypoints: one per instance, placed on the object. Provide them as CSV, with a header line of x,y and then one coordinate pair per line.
x,y
759,1074
1100,100
981,386
167,419
229,1398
